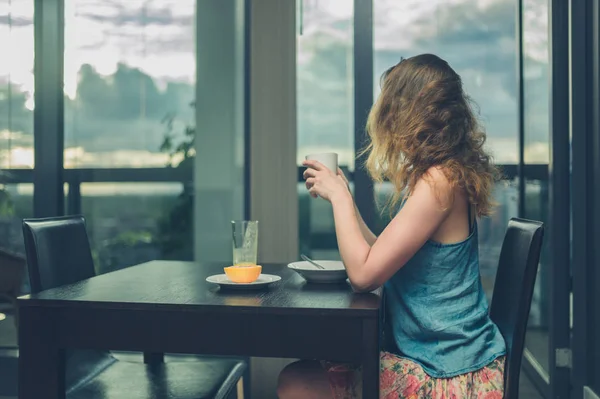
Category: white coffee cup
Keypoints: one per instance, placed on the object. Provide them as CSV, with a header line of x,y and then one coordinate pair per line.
x,y
328,159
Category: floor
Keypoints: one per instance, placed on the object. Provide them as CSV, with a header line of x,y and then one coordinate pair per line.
x,y
8,377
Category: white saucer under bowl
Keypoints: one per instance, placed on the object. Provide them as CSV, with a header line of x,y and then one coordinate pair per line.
x,y
263,281
334,271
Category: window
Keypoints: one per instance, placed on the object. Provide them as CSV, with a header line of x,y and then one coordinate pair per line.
x,y
130,71
325,93
478,41
325,79
129,81
16,137
537,151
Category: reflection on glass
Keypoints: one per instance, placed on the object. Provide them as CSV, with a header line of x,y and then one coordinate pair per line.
x,y
476,38
325,79
129,82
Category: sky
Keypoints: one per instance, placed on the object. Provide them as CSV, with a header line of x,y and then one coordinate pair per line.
x,y
157,37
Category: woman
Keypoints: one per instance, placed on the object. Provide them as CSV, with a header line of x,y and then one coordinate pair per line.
x,y
425,139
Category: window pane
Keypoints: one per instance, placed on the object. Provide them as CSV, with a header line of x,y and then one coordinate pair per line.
x,y
129,81
130,71
535,81
129,223
325,110
537,208
476,38
16,148
16,84
537,151
325,79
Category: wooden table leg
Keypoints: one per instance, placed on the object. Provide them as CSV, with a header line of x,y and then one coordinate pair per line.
x,y
370,359
41,362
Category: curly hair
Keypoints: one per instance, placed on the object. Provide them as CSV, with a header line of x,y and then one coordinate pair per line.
x,y
423,119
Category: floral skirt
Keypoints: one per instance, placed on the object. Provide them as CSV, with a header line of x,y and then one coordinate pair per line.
x,y
401,378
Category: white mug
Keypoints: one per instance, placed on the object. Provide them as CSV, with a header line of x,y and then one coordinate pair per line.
x,y
328,159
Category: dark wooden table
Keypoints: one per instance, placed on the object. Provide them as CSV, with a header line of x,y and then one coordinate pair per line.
x,y
165,306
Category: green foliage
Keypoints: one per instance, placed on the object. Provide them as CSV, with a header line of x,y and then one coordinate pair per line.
x,y
176,226
6,205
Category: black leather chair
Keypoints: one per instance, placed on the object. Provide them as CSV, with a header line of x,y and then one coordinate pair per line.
x,y
513,290
58,253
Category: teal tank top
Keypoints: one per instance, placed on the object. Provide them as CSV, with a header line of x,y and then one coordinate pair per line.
x,y
437,312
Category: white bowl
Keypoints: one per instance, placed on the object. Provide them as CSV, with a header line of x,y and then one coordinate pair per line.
x,y
334,271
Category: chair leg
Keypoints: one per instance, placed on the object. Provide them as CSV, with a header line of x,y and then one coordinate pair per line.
x,y
240,388
246,381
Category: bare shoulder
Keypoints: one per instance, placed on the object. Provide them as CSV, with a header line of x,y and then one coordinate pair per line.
x,y
435,182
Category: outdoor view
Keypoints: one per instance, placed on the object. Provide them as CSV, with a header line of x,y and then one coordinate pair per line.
x,y
129,103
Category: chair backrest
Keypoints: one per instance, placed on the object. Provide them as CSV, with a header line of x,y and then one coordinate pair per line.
x,y
513,290
58,251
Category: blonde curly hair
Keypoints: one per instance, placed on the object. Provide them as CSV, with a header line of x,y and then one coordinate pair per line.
x,y
423,119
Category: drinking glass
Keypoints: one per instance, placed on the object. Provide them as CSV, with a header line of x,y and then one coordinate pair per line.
x,y
245,242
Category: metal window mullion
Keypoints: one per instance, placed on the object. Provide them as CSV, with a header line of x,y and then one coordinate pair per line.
x,y
363,100
520,111
559,168
48,115
594,265
582,186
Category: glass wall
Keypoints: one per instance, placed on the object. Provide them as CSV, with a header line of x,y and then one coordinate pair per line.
x,y
129,83
325,95
16,117
16,145
130,132
537,151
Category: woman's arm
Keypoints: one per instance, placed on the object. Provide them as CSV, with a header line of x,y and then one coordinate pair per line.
x,y
366,232
423,213
368,266
364,229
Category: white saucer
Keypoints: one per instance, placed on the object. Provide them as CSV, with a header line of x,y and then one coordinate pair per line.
x,y
263,281
334,271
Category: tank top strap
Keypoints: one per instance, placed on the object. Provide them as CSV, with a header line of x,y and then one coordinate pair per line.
x,y
469,216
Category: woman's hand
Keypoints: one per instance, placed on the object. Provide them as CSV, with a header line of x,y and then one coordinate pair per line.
x,y
324,183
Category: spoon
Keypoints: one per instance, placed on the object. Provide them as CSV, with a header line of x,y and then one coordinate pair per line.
x,y
312,262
